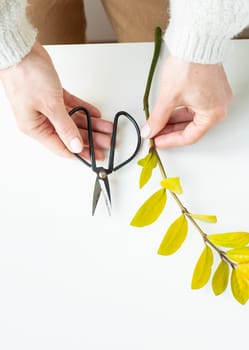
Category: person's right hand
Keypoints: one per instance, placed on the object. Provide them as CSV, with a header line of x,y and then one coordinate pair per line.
x,y
193,98
41,106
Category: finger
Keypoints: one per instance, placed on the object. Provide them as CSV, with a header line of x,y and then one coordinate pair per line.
x,y
99,125
191,134
38,126
158,118
101,141
99,154
46,135
170,128
64,125
182,114
74,101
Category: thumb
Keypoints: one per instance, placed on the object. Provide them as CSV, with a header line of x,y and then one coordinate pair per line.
x,y
157,120
65,128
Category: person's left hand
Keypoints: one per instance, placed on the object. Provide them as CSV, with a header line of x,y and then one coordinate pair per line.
x,y
41,106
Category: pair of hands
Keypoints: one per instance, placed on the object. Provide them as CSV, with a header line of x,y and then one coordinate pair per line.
x,y
192,98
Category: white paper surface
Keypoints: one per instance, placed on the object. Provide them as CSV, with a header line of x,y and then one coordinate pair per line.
x,y
70,281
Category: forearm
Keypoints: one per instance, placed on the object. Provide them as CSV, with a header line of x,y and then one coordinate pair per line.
x,y
17,36
199,30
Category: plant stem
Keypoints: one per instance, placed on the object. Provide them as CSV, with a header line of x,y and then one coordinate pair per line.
x,y
157,49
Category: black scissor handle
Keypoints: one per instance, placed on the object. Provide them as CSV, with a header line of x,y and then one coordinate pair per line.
x,y
111,166
90,137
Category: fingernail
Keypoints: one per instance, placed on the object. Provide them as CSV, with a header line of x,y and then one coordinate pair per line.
x,y
145,132
75,145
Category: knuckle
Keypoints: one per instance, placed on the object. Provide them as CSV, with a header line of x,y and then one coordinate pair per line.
x,y
204,121
52,104
65,128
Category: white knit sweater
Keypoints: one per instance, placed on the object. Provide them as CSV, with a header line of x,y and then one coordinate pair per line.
x,y
17,36
199,30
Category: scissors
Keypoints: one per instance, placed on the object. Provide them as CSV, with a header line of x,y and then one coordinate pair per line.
x,y
102,183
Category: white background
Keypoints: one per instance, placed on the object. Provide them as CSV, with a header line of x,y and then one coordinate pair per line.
x,y
70,281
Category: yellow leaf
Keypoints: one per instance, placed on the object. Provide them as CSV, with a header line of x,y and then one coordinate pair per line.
x,y
220,278
230,239
145,175
150,210
148,163
174,237
239,254
202,269
240,283
172,184
207,218
143,161
149,158
244,268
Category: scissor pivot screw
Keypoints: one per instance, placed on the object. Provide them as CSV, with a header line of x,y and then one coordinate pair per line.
x,y
102,174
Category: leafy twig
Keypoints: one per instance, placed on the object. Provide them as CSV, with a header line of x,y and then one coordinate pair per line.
x,y
237,258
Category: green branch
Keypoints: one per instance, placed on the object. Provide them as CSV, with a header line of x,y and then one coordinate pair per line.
x,y
157,49
156,54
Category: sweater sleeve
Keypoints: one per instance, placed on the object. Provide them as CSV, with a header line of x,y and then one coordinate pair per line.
x,y
199,30
17,36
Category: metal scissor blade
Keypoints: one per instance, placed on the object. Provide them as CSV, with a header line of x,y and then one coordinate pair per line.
x,y
105,188
96,195
101,185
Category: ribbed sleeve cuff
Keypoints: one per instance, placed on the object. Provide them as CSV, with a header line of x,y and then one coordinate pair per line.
x,y
16,43
196,48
